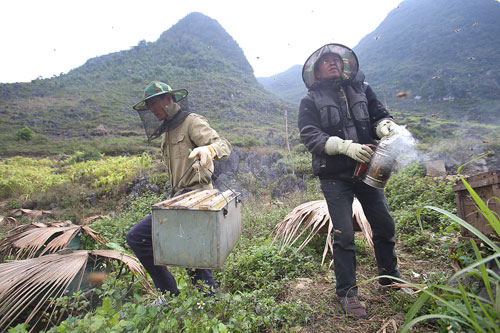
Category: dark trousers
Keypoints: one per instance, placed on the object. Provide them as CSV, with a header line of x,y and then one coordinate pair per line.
x,y
339,195
140,240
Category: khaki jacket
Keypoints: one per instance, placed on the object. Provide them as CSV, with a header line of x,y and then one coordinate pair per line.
x,y
179,142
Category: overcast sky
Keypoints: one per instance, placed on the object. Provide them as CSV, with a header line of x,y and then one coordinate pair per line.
x,y
49,37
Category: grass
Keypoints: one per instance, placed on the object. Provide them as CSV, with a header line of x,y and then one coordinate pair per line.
x,y
262,289
460,307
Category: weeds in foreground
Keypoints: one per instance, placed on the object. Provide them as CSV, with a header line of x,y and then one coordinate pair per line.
x,y
460,307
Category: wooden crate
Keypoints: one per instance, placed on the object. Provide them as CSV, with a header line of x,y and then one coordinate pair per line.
x,y
487,186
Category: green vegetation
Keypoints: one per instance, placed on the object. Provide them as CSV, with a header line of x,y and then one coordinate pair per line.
x,y
255,282
92,105
463,307
25,134
405,200
254,287
70,182
84,121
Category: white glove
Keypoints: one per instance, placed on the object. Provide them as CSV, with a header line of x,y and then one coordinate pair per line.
x,y
385,128
205,154
358,152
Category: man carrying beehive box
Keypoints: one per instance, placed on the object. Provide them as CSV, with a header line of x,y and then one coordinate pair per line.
x,y
188,145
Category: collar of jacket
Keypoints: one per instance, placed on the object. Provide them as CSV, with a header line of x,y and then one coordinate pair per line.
x,y
170,124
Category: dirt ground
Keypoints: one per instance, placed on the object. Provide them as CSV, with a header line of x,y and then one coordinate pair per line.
x,y
385,306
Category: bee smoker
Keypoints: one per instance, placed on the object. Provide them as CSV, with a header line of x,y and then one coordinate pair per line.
x,y
377,172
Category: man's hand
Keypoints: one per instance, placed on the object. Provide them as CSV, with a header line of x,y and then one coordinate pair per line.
x,y
205,154
358,152
385,128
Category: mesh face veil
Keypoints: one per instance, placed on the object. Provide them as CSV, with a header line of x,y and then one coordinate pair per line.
x,y
348,57
155,128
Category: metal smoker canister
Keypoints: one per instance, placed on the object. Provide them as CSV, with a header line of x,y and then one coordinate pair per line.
x,y
381,164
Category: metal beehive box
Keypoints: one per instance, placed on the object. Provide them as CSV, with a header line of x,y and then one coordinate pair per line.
x,y
197,229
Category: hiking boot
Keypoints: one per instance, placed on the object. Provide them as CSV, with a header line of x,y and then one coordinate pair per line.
x,y
352,307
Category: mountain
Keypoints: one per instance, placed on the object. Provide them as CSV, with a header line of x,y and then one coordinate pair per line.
x,y
196,54
442,57
443,54
285,84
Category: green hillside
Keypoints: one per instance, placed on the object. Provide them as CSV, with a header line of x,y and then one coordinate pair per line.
x,y
287,85
96,98
444,53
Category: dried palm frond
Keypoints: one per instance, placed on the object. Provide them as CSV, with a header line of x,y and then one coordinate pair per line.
x,y
33,213
313,217
30,240
7,220
360,218
31,283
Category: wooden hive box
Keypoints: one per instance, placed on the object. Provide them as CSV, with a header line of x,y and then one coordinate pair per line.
x,y
197,229
487,187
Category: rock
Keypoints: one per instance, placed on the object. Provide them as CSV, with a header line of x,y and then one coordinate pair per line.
x,y
100,130
142,185
303,283
288,185
229,166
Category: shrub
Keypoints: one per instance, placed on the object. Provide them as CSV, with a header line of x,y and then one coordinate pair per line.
x,y
246,141
461,307
25,134
260,264
78,157
410,189
115,228
22,176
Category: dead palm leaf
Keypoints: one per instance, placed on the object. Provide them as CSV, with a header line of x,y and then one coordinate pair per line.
x,y
313,217
359,216
35,239
31,283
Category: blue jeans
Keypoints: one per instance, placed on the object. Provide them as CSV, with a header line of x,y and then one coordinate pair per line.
x,y
140,240
339,195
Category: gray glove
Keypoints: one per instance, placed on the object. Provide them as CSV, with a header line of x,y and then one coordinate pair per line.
x,y
358,152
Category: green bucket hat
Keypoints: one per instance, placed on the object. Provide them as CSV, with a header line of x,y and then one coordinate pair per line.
x,y
156,88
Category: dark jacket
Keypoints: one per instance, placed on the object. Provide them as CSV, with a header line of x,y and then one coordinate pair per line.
x,y
324,112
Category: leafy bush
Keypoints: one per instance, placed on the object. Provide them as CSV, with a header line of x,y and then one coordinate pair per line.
x,y
246,141
79,156
188,312
260,264
115,228
410,189
109,171
25,134
463,308
22,176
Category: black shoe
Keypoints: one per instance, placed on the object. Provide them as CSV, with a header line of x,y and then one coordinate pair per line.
x,y
388,282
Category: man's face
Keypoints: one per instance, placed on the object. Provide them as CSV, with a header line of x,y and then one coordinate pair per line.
x,y
330,67
157,105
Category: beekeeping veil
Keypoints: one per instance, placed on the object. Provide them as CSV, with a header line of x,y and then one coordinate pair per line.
x,y
348,57
152,126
